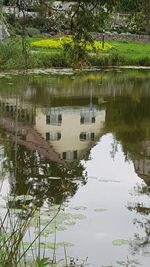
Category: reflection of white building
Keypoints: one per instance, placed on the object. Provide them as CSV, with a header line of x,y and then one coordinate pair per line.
x,y
12,107
70,131
142,166
59,133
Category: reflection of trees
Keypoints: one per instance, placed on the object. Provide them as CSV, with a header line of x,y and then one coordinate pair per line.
x,y
142,220
44,179
128,119
44,87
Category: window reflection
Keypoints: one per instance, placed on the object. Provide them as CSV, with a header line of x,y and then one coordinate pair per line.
x,y
54,119
84,120
53,136
87,136
87,116
70,155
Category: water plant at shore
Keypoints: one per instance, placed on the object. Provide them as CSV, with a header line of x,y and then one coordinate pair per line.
x,y
14,224
24,229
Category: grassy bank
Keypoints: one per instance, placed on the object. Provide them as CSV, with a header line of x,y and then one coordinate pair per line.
x,y
124,53
121,53
132,53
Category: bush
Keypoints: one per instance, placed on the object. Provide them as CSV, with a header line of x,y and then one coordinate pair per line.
x,y
116,59
59,60
99,60
144,61
11,55
47,60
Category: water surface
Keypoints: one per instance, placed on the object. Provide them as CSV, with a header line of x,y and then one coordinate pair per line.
x,y
82,143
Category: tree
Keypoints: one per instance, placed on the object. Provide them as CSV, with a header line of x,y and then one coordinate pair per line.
x,y
137,7
86,17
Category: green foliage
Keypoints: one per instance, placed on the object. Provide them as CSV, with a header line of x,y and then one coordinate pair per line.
x,y
86,17
137,8
99,60
76,54
12,231
129,5
42,262
12,56
48,60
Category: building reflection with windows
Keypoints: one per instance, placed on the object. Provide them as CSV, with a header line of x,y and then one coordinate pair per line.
x,y
71,131
64,133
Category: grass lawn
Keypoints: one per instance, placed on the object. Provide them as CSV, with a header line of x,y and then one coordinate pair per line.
x,y
134,53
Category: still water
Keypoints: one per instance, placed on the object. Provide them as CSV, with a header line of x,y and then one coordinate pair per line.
x,y
80,143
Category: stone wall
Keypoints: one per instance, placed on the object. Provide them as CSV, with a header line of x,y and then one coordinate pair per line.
x,y
124,37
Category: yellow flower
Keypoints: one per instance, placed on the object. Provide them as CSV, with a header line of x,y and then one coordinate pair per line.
x,y
55,43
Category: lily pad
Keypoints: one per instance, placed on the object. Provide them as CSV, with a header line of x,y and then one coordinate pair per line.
x,y
55,245
78,216
79,208
51,229
120,242
99,210
70,223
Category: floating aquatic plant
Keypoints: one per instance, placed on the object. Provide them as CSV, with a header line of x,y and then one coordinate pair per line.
x,y
120,242
99,210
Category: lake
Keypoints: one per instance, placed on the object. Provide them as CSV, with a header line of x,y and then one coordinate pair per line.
x,y
79,145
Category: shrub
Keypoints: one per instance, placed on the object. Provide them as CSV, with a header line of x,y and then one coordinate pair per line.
x,y
99,61
47,60
11,55
144,61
